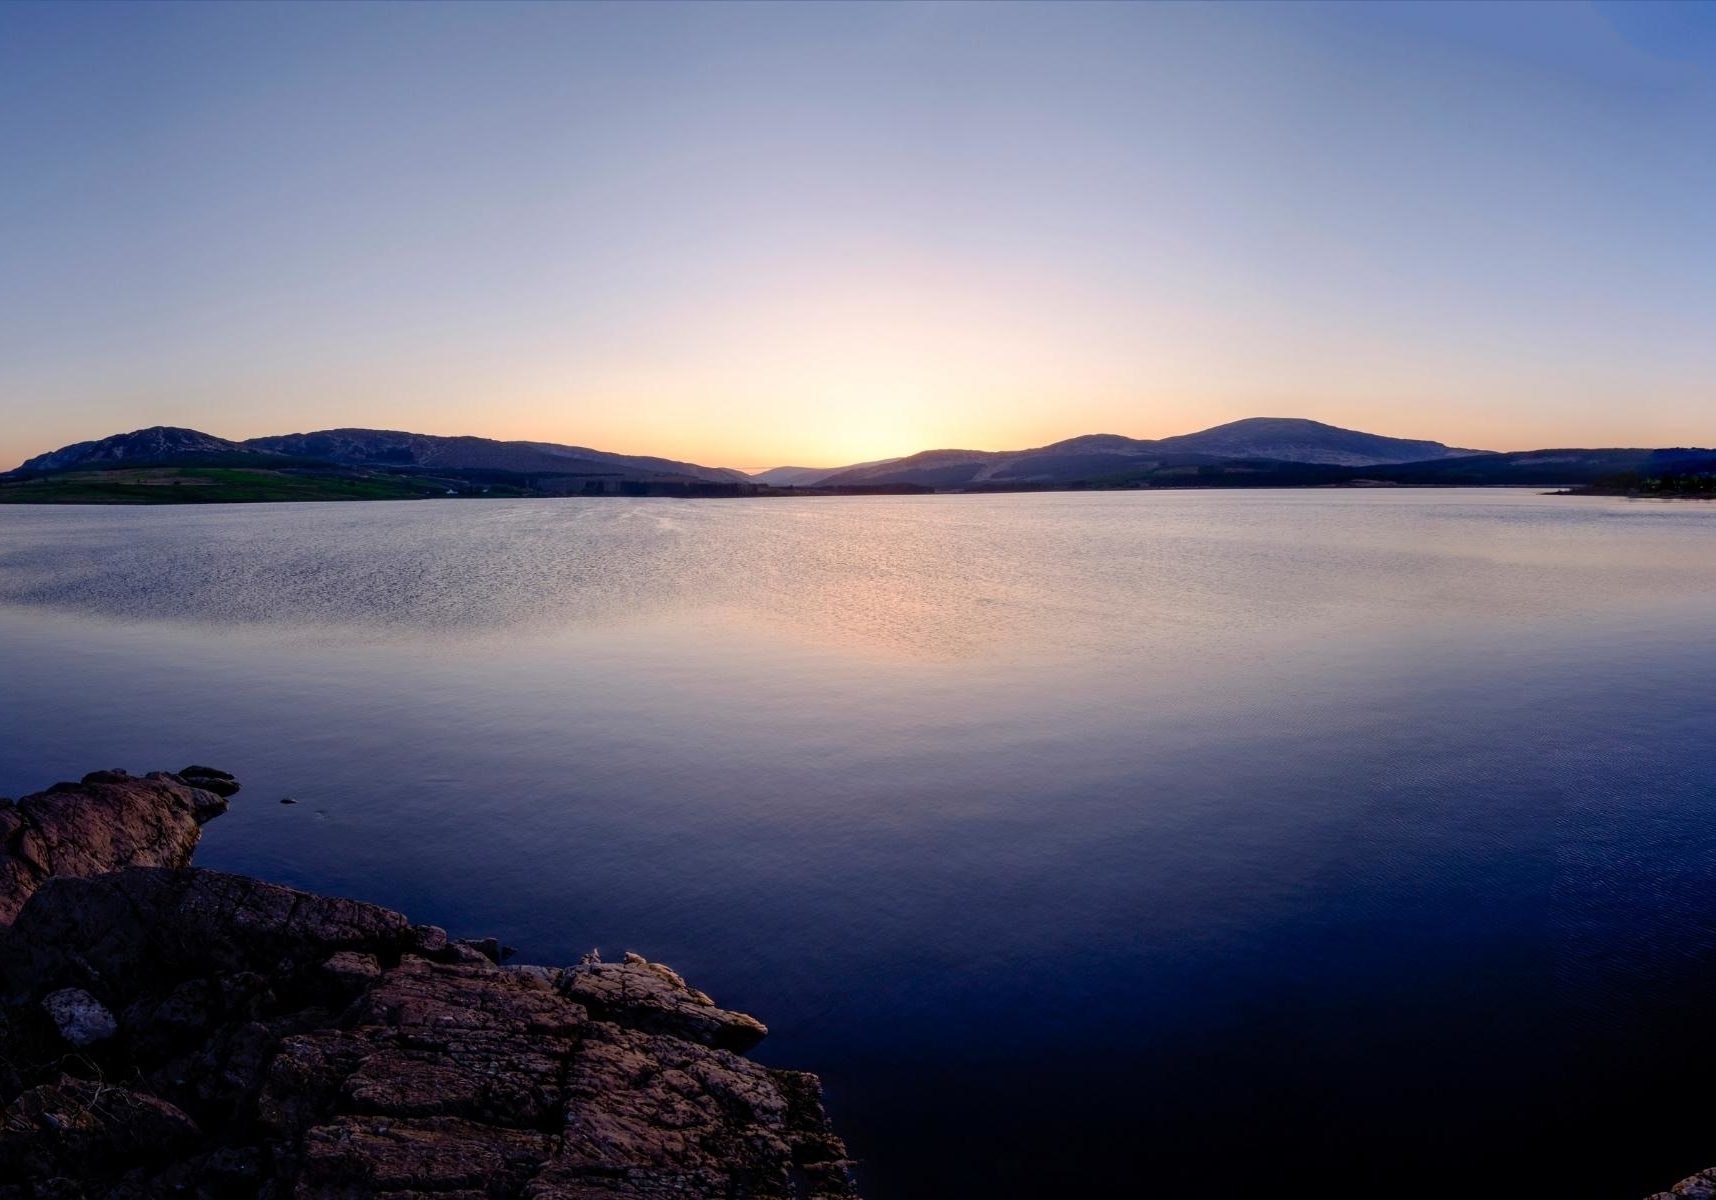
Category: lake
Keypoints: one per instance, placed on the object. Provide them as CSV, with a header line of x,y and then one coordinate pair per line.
x,y
1086,844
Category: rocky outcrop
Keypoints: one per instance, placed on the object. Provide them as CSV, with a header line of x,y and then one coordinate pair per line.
x,y
174,1031
1701,1186
109,820
653,998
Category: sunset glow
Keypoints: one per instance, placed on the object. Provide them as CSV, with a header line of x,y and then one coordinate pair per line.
x,y
1132,579
756,235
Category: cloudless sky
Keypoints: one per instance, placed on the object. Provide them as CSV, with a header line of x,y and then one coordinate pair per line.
x,y
751,234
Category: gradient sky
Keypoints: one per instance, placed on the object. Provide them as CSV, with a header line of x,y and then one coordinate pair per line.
x,y
755,234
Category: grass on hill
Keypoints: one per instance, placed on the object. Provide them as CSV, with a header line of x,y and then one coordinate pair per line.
x,y
209,485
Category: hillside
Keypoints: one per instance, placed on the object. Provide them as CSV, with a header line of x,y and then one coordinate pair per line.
x,y
1545,467
158,443
377,448
393,448
1097,456
1291,439
808,476
166,465
171,465
219,485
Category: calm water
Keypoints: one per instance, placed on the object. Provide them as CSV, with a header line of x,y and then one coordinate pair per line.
x,y
1086,844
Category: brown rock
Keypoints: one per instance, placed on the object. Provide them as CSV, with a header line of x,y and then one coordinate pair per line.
x,y
352,967
1701,1186
116,933
73,1128
209,779
288,1046
361,1156
109,820
652,997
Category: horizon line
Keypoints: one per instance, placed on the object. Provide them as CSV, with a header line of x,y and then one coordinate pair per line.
x,y
945,449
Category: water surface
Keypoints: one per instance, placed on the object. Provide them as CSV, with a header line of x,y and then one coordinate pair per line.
x,y
1087,844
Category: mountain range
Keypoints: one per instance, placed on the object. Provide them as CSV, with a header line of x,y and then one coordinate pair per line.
x,y
167,463
369,447
1272,438
1098,455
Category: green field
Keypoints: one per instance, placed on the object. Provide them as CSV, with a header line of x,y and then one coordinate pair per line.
x,y
210,485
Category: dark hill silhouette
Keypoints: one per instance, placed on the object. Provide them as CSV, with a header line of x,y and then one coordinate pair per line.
x,y
163,444
1097,455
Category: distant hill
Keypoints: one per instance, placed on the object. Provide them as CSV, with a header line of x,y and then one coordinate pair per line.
x,y
1548,467
164,464
808,476
1665,474
166,445
1098,455
1616,469
157,444
387,447
1292,439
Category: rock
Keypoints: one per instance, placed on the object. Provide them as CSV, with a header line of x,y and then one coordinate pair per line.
x,y
653,997
819,1156
462,951
437,1155
490,948
352,967
1701,1186
77,1129
79,1016
428,939
543,978
109,820
210,780
282,1045
130,930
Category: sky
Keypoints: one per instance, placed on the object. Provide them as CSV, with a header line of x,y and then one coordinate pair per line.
x,y
756,234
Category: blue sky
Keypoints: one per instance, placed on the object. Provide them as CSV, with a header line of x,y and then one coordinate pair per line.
x,y
751,234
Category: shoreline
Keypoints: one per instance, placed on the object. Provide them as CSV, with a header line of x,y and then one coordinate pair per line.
x,y
178,499
170,1030
1631,494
